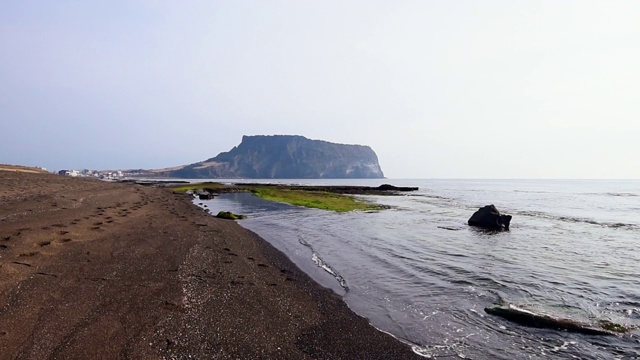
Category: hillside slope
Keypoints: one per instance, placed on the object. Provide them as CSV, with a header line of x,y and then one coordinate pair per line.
x,y
285,157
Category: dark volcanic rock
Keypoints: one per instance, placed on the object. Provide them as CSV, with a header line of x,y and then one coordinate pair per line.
x,y
529,318
489,217
205,195
387,187
286,157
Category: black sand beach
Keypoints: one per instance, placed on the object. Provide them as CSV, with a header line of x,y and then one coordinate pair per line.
x,y
96,270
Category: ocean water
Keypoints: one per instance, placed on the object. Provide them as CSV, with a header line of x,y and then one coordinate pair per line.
x,y
418,272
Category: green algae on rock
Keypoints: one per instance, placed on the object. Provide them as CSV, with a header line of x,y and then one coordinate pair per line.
x,y
230,216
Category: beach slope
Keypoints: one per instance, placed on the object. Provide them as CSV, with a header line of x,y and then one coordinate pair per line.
x,y
90,270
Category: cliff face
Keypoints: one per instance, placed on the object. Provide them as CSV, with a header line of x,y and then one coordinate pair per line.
x,y
286,157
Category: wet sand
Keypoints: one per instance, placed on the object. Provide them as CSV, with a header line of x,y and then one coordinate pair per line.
x,y
95,270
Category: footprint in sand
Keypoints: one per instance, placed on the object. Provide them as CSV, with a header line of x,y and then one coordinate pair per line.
x,y
44,243
29,254
21,263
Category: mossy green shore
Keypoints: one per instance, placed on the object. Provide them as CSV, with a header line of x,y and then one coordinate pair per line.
x,y
315,199
311,199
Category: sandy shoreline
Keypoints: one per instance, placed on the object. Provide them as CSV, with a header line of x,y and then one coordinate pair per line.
x,y
90,269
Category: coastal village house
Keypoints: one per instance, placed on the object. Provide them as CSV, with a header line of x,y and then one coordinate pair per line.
x,y
92,173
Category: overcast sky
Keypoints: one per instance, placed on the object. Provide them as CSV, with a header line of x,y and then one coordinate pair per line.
x,y
439,89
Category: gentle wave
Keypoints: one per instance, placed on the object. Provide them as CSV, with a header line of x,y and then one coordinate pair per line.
x,y
623,194
533,192
324,266
429,196
572,219
614,194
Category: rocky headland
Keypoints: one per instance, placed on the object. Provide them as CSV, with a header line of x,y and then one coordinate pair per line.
x,y
282,157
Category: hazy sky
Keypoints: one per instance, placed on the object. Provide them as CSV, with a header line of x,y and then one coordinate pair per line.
x,y
439,89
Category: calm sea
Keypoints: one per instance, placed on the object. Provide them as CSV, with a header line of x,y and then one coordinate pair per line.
x,y
419,272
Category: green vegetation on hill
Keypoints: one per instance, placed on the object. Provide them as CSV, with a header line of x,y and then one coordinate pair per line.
x,y
21,168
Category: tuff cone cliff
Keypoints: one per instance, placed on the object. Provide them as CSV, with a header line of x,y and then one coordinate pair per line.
x,y
285,157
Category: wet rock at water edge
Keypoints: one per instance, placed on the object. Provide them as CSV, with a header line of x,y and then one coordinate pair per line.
x,y
538,320
230,216
205,195
488,217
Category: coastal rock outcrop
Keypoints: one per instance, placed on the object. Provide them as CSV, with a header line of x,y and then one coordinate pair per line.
x,y
388,187
488,217
283,157
204,195
529,318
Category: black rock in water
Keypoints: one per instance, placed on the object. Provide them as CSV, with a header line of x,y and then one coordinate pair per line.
x,y
529,318
284,157
387,187
489,217
205,195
